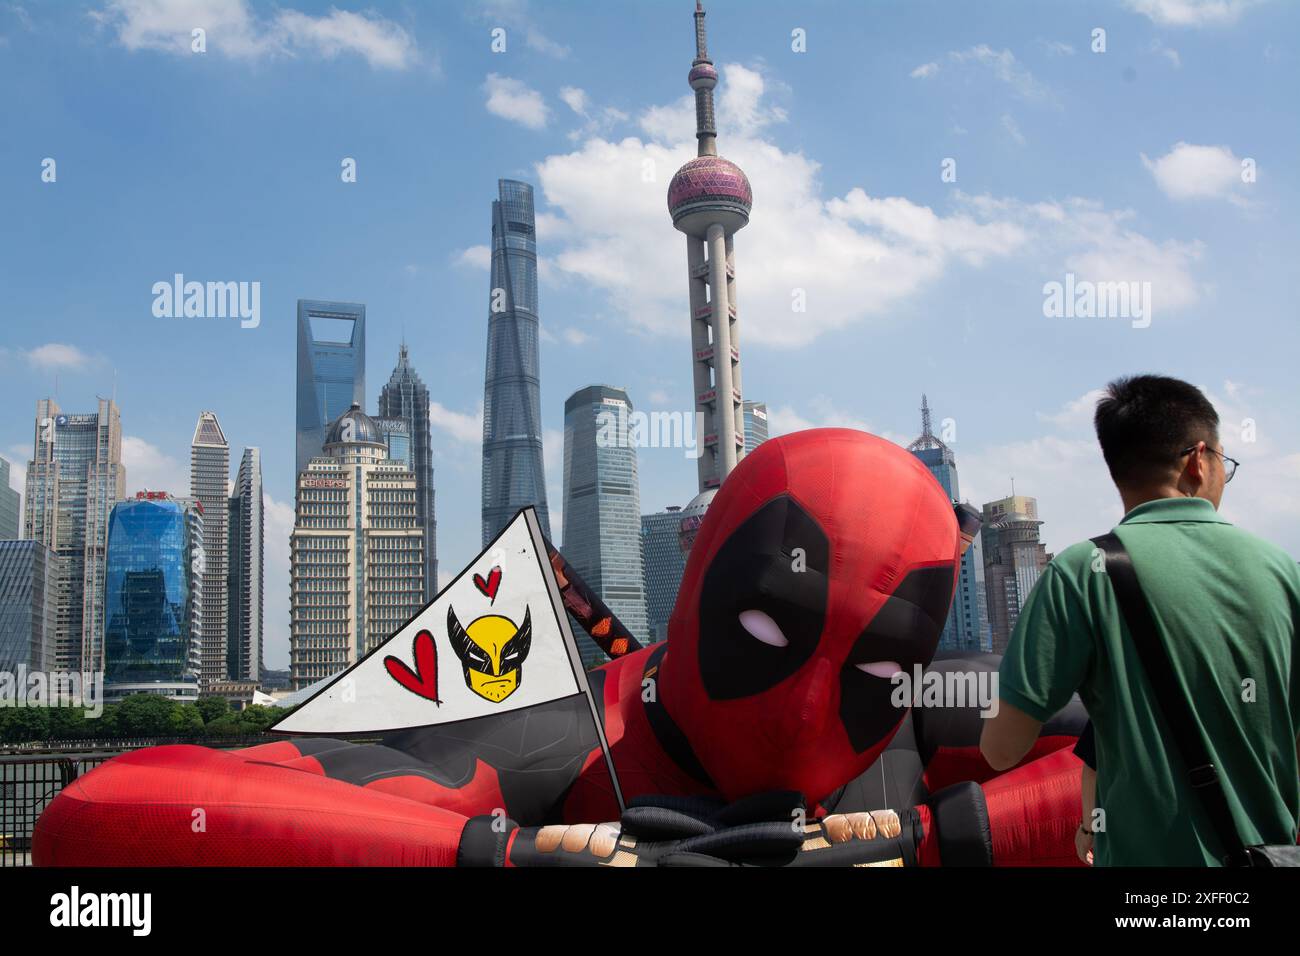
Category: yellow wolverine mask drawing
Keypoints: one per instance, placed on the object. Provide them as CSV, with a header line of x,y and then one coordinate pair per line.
x,y
492,651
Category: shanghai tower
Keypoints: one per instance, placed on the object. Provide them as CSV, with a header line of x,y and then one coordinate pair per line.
x,y
512,427
709,199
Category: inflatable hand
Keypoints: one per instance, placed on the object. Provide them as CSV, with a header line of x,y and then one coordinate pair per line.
x,y
768,829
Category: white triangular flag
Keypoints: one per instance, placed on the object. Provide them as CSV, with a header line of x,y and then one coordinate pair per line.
x,y
494,640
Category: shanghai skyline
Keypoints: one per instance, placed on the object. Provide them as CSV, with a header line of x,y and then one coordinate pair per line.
x,y
178,164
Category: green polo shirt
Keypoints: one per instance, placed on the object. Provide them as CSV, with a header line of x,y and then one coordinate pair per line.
x,y
1226,605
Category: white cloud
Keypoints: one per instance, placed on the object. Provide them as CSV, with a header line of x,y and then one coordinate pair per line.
x,y
1100,245
515,101
1168,52
1189,171
597,120
743,102
55,355
575,336
516,17
1004,65
1192,13
457,425
475,257
1075,414
820,412
575,99
149,468
925,70
1012,129
1057,47
381,42
233,29
606,196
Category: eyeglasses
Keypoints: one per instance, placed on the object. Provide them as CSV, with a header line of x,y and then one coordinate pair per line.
x,y
1229,464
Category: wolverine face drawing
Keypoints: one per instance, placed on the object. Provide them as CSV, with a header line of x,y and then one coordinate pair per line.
x,y
491,651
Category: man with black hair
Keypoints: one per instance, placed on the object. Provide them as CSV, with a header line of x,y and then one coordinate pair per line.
x,y
1225,606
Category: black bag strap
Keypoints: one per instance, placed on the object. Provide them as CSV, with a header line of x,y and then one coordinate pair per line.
x,y
1201,772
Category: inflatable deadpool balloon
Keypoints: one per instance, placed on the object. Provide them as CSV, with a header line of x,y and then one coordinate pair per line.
x,y
766,729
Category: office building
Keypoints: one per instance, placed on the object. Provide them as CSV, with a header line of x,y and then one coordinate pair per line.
x,y
665,561
396,433
1014,557
10,505
73,480
755,425
245,556
967,627
210,486
27,606
602,507
513,476
406,398
331,370
356,554
155,577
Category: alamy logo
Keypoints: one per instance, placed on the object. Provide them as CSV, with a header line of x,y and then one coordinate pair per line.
x,y
209,300
616,427
24,688
72,909
1083,299
935,689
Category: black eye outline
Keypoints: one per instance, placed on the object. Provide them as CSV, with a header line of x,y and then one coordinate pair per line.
x,y
754,571
905,629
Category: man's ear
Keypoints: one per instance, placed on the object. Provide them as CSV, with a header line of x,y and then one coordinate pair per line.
x,y
1196,467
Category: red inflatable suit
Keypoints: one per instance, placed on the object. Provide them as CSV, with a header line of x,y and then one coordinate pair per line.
x,y
766,729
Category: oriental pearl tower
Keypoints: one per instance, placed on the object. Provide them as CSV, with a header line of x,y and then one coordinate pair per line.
x,y
709,199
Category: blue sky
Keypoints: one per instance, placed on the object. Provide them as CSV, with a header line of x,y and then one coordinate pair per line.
x,y
1122,165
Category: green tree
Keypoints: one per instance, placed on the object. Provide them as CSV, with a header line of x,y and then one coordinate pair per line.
x,y
145,715
20,725
213,707
227,725
186,721
255,718
70,723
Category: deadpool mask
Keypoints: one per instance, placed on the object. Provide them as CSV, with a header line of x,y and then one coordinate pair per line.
x,y
825,564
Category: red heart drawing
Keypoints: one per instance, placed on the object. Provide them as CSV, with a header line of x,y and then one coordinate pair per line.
x,y
424,679
489,587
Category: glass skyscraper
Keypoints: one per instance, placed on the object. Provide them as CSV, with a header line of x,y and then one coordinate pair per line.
x,y
967,627
331,369
245,554
602,507
209,484
664,563
153,596
406,398
27,610
755,425
513,476
73,480
1014,557
9,502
